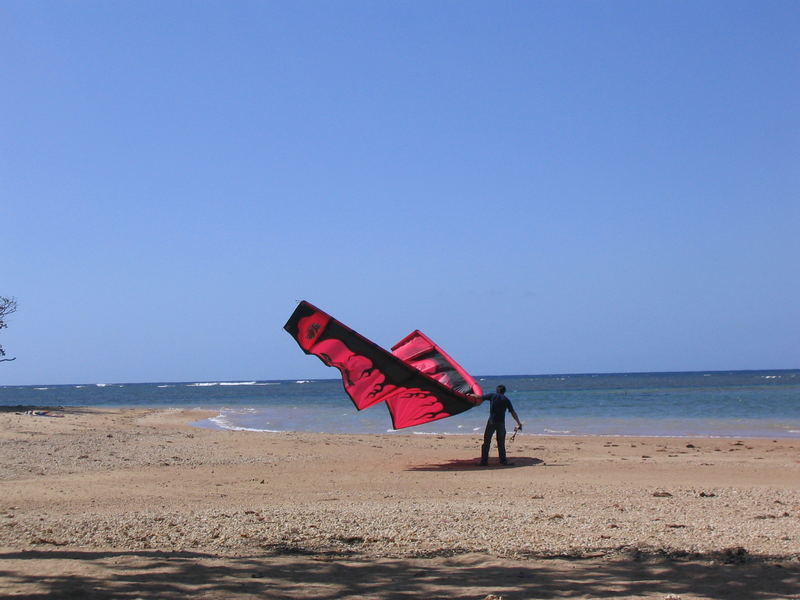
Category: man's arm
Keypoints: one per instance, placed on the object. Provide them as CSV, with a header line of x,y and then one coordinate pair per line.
x,y
516,418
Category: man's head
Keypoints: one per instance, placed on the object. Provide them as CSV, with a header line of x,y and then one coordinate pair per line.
x,y
501,389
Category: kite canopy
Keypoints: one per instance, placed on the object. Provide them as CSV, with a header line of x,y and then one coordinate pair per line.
x,y
419,382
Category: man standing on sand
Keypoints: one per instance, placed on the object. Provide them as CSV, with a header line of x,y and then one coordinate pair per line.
x,y
496,425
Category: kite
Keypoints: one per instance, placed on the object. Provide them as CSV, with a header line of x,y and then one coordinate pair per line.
x,y
418,381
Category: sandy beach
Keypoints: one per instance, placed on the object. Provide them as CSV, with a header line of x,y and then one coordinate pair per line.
x,y
141,504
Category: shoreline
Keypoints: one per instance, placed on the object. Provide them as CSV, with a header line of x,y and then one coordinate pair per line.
x,y
788,435
520,435
133,483
211,414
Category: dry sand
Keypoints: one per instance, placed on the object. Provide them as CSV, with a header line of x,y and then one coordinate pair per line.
x,y
139,504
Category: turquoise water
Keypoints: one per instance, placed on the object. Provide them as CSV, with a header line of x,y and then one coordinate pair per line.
x,y
732,404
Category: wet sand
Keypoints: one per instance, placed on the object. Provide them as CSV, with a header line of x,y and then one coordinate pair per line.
x,y
137,503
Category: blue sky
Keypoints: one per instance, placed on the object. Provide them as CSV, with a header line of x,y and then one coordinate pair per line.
x,y
541,187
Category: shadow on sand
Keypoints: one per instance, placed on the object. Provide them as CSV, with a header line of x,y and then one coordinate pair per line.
x,y
185,575
473,464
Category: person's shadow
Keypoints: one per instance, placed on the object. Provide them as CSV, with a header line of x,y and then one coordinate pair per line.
x,y
473,464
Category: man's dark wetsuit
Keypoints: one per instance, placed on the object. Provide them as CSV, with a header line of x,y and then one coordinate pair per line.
x,y
496,424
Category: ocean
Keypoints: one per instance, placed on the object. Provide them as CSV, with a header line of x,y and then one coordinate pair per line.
x,y
707,404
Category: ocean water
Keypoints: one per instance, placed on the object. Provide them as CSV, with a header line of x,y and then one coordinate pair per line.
x,y
726,404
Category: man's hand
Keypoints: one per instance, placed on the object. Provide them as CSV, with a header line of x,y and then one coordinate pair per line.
x,y
473,398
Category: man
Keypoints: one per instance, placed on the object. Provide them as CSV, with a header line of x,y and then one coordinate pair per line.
x,y
496,425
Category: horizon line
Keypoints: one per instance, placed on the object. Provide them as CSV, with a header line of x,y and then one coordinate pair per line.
x,y
296,379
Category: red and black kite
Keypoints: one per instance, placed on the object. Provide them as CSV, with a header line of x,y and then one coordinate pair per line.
x,y
418,381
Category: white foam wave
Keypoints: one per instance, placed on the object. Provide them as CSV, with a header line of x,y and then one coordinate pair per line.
x,y
557,431
303,381
203,384
42,388
246,410
248,383
222,422
165,386
101,384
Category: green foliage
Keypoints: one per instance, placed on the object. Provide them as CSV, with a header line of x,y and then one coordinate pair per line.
x,y
7,306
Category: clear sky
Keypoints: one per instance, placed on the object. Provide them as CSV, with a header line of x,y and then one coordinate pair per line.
x,y
541,187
